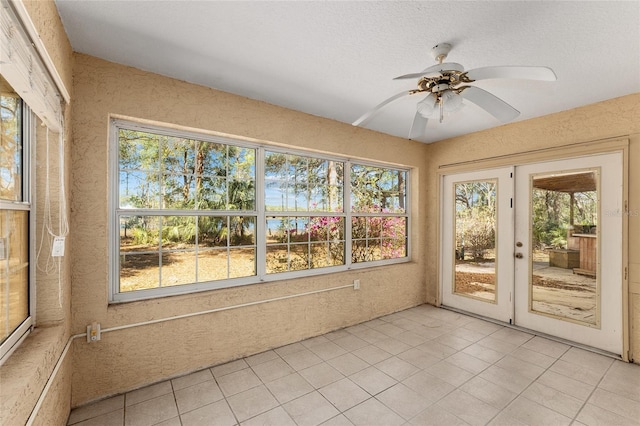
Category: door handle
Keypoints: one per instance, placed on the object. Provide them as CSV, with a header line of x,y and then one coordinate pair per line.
x,y
518,255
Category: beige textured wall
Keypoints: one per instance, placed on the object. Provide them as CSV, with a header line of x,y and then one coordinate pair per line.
x,y
26,372
131,358
614,118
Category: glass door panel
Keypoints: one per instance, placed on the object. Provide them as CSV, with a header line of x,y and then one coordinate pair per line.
x,y
475,234
564,240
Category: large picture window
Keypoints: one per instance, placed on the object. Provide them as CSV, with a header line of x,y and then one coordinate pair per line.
x,y
194,212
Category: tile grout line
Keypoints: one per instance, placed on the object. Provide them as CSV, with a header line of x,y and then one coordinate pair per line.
x,y
406,319
586,401
528,386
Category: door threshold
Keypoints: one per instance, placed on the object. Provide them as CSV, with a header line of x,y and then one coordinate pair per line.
x,y
536,333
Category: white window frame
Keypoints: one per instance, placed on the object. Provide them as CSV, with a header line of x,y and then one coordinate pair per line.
x,y
115,296
27,204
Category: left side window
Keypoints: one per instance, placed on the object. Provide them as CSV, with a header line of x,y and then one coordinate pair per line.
x,y
15,208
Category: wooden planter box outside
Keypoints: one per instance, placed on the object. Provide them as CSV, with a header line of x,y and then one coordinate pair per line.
x,y
561,258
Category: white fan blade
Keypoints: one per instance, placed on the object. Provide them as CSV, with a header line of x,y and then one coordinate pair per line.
x,y
435,69
492,104
523,73
377,108
418,126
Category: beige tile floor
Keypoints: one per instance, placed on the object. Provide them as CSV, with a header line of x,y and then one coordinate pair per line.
x,y
421,366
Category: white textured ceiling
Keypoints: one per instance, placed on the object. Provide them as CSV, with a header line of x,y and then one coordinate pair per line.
x,y
338,59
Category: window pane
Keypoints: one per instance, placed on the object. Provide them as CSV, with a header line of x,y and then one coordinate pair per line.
x,y
275,195
319,228
178,192
242,262
301,200
358,227
179,232
242,163
325,185
212,231
374,252
564,264
243,230
320,255
213,265
393,227
213,194
139,150
298,257
336,254
277,258
179,156
275,166
139,252
298,168
374,225
393,249
140,190
242,195
376,189
299,229
139,271
14,270
10,144
139,233
475,239
277,230
178,267
213,159
360,252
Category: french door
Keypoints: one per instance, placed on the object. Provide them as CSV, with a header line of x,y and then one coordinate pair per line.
x,y
539,246
477,241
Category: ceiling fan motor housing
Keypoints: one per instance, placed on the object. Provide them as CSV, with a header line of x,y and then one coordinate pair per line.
x,y
440,51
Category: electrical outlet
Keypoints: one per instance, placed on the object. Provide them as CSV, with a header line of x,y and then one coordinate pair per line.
x,y
93,332
356,284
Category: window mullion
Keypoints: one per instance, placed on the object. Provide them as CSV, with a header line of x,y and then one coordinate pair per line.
x,y
346,184
261,220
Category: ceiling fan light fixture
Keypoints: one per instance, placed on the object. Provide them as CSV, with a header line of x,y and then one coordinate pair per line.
x,y
427,106
451,101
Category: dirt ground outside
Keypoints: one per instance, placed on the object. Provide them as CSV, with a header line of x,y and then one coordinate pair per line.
x,y
140,271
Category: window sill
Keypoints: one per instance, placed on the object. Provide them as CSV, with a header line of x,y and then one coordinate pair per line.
x,y
26,372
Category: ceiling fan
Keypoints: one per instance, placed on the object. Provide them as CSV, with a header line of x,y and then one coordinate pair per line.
x,y
446,85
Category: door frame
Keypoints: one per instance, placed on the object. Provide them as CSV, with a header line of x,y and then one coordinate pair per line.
x,y
569,151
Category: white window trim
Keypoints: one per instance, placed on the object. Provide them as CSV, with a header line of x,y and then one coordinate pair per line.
x,y
28,193
115,296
